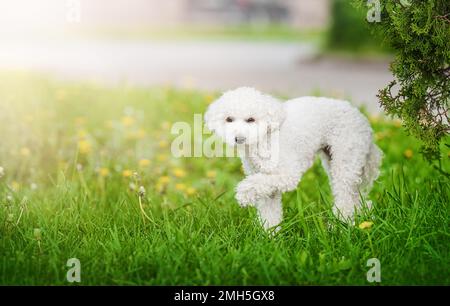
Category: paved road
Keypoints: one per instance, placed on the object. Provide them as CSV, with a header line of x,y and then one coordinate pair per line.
x,y
284,68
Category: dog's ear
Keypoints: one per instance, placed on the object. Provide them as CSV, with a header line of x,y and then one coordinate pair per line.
x,y
211,117
207,119
275,114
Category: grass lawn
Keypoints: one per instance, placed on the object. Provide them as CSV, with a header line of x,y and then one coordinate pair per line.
x,y
263,33
69,153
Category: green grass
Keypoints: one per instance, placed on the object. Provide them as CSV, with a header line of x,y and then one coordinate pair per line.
x,y
271,32
51,210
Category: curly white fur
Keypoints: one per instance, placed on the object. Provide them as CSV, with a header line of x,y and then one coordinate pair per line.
x,y
277,143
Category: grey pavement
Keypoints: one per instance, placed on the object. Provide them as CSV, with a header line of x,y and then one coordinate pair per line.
x,y
288,69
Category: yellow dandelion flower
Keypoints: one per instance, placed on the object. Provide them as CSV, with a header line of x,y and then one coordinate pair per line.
x,y
183,108
165,125
82,134
144,163
109,124
61,95
130,136
188,82
15,185
25,152
49,114
163,144
209,99
103,172
180,186
211,174
365,225
379,136
127,173
140,134
127,120
160,187
28,118
84,147
374,119
80,121
191,191
162,157
397,123
62,164
178,172
164,180
408,153
105,152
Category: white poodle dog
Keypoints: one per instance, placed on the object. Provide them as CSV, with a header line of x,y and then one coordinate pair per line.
x,y
278,142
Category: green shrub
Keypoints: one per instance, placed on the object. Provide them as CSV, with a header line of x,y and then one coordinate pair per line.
x,y
419,32
349,31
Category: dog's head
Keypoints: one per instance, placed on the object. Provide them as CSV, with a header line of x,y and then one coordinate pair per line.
x,y
244,116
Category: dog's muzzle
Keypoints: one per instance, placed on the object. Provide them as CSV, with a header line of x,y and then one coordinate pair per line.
x,y
239,139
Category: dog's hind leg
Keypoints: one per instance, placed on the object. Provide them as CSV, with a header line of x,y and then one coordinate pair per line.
x,y
371,169
325,158
347,163
270,211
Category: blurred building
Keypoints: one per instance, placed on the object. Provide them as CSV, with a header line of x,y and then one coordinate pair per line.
x,y
297,13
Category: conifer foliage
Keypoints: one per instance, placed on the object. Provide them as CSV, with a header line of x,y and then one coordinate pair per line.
x,y
419,33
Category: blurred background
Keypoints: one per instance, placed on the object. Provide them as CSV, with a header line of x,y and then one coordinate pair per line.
x,y
286,47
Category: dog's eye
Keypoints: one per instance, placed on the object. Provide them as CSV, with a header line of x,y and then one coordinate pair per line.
x,y
250,120
229,119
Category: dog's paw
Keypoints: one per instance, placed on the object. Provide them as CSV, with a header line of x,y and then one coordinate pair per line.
x,y
246,193
242,199
345,215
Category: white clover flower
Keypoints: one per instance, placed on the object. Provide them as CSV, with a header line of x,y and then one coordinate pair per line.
x,y
141,191
33,186
37,233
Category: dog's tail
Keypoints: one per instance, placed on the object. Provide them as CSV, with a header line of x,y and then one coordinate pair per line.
x,y
372,168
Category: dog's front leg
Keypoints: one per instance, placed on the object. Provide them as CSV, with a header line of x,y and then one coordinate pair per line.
x,y
260,185
270,211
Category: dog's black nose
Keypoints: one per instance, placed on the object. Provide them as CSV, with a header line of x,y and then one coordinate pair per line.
x,y
239,139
